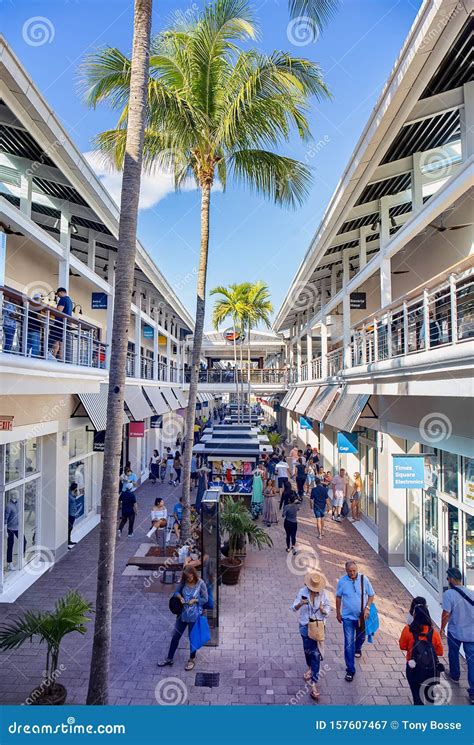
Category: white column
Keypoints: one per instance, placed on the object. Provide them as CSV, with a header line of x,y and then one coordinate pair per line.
x,y
156,335
346,325
298,357
65,241
3,257
384,222
309,351
138,340
363,231
467,121
345,268
385,282
416,183
168,357
25,193
333,280
91,252
324,349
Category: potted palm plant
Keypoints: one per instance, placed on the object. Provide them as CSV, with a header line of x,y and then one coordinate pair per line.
x,y
236,521
50,627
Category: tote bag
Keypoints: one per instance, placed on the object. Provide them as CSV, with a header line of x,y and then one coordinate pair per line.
x,y
200,634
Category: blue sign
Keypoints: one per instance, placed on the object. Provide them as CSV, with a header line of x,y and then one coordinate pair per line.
x,y
408,472
305,424
99,301
347,442
148,332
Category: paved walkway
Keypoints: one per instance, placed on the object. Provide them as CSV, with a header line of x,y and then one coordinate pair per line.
x,y
260,656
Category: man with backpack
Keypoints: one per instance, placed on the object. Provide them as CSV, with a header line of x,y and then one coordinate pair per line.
x,y
458,616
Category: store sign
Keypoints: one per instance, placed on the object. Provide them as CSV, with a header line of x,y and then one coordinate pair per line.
x,y
148,332
358,301
99,442
347,442
156,421
408,472
305,424
99,301
136,429
6,423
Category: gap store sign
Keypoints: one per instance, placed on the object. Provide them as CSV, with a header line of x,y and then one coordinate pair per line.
x,y
347,442
408,471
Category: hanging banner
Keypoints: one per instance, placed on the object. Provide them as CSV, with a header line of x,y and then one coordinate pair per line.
x,y
99,301
408,471
99,442
148,332
305,424
136,429
348,442
156,421
358,301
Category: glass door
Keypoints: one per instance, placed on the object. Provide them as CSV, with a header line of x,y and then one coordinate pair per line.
x,y
450,540
431,567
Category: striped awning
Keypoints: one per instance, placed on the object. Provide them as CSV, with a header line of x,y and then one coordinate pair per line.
x,y
322,403
286,398
181,396
297,393
95,405
157,400
137,404
306,399
171,399
346,412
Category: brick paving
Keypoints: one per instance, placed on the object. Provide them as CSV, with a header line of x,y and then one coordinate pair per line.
x,y
260,657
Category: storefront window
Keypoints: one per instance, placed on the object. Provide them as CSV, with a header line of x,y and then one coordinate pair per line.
x,y
13,462
449,473
469,551
453,536
81,441
414,527
32,464
13,500
30,515
431,539
468,481
77,475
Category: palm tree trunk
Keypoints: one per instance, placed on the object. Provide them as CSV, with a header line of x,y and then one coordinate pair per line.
x,y
248,371
196,356
100,662
242,398
235,369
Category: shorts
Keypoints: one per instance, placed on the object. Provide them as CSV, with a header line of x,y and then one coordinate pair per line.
x,y
337,501
310,479
194,475
282,480
355,497
318,512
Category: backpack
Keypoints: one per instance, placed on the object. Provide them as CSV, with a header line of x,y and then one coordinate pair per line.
x,y
424,657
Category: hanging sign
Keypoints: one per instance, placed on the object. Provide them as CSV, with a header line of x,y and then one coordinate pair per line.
x,y
99,301
347,442
136,429
156,421
99,442
148,332
305,424
408,471
358,301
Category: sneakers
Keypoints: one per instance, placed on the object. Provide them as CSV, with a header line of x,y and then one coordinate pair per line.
x,y
450,678
166,662
119,533
294,552
130,535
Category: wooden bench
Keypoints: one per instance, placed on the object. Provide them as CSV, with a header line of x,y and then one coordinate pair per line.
x,y
154,562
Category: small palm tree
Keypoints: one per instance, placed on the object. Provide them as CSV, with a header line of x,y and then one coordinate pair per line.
x,y
258,308
51,627
236,521
231,304
214,112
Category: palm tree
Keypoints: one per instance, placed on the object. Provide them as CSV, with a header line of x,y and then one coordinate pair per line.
x,y
318,13
231,305
133,136
213,111
258,308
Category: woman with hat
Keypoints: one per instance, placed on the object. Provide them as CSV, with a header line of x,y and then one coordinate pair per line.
x,y
312,602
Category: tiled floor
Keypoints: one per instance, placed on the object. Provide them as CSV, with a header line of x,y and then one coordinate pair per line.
x,y
260,656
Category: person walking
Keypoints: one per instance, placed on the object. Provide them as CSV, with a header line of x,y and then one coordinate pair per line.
x,y
178,467
282,470
354,596
154,467
256,505
286,495
355,497
310,477
129,509
339,490
192,592
194,472
423,646
312,603
300,473
319,497
269,513
458,616
72,513
169,466
12,526
290,523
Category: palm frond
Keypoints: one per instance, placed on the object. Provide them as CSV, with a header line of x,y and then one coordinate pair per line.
x,y
284,180
318,11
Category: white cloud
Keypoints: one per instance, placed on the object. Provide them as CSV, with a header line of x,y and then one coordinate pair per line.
x,y
154,187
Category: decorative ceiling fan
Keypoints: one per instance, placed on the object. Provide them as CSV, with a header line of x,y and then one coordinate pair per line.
x,y
442,228
8,230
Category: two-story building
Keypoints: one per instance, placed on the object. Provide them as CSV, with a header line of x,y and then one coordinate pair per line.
x,y
379,319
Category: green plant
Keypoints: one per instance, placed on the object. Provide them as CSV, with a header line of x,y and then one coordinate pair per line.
x,y
236,521
274,438
50,627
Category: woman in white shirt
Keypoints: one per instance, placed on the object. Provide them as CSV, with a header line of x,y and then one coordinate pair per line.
x,y
312,602
159,514
154,467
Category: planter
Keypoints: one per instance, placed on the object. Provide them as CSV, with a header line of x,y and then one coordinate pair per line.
x,y
230,571
55,697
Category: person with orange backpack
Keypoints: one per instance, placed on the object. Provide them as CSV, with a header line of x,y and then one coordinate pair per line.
x,y
422,644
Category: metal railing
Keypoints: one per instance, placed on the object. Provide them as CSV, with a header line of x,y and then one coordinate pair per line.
x,y
30,328
265,376
335,362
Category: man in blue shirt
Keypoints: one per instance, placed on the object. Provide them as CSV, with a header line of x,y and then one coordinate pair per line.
x,y
178,516
458,615
354,596
319,495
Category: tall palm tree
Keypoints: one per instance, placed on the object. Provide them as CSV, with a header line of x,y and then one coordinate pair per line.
x,y
231,304
258,308
133,137
213,111
318,12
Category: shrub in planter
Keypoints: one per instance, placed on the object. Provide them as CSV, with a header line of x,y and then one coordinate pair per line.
x,y
51,627
237,522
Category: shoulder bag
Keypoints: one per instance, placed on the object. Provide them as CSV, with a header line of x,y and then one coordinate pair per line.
x,y
361,622
315,626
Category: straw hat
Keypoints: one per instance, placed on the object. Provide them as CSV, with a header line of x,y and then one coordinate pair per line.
x,y
315,581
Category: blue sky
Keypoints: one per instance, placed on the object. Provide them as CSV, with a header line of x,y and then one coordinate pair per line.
x,y
250,238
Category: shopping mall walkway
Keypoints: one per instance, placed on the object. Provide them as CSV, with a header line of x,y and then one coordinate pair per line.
x,y
260,657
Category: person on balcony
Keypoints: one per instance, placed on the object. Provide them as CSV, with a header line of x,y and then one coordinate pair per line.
x,y
9,313
35,326
56,332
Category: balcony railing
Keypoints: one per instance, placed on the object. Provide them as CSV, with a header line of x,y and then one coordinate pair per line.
x,y
30,328
266,376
